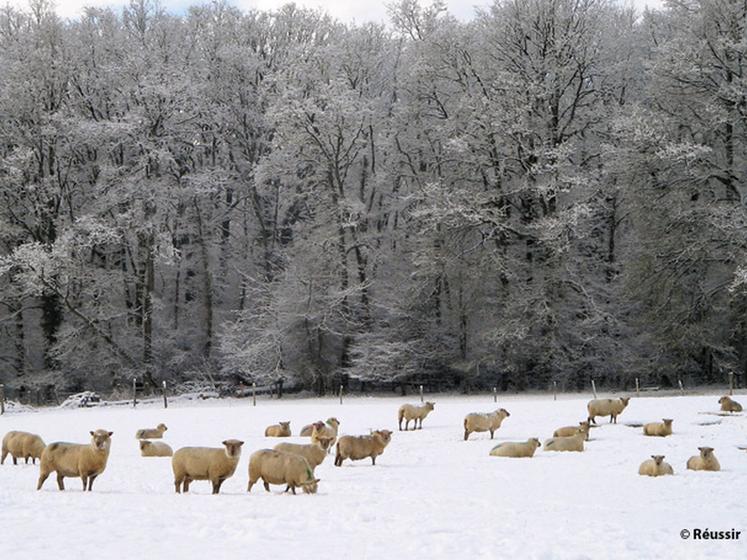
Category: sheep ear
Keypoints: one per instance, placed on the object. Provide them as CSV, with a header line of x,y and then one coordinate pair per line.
x,y
111,434
225,442
317,480
240,443
91,432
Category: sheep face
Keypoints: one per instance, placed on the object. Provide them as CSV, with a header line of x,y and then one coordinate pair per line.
x,y
657,459
162,427
706,452
325,442
384,435
311,486
535,441
144,443
625,400
286,425
334,422
101,440
429,405
667,421
233,448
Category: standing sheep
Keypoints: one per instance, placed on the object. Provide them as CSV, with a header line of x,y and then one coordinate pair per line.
x,y
706,461
282,429
729,405
22,445
277,467
570,443
484,422
155,449
314,453
567,431
604,407
360,447
414,412
205,463
516,449
655,467
70,459
661,429
328,428
151,433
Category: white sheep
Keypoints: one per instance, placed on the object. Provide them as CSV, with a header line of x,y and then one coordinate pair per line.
x,y
87,461
655,466
414,412
277,467
606,407
155,449
661,429
205,463
706,461
484,422
516,449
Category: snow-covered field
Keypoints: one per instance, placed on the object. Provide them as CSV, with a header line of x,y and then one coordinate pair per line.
x,y
431,494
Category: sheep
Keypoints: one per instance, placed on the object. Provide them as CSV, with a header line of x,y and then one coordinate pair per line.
x,y
661,429
205,463
567,431
706,461
603,407
277,467
360,447
484,422
151,433
729,405
87,461
331,427
314,453
570,443
516,449
22,445
155,449
414,412
283,429
655,466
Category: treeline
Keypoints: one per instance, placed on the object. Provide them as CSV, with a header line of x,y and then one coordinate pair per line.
x,y
551,192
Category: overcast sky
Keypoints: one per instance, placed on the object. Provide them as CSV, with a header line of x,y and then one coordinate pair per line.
x,y
358,10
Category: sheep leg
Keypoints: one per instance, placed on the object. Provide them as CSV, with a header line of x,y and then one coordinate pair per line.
x,y
400,423
249,486
293,490
592,420
15,461
42,477
26,460
266,484
216,486
90,482
466,434
491,433
177,485
185,486
338,460
373,459
60,481
84,479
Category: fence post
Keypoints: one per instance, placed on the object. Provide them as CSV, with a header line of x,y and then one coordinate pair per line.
x,y
134,392
2,399
340,394
254,394
594,388
637,388
421,393
682,389
731,383
165,401
495,394
554,390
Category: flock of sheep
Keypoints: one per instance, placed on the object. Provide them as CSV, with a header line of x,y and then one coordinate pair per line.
x,y
293,465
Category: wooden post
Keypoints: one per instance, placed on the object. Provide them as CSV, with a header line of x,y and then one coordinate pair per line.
x,y
495,394
2,399
731,383
165,400
554,390
340,394
637,388
254,394
682,389
421,393
594,388
134,392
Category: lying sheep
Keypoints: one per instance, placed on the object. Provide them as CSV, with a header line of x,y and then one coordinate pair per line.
x,y
604,407
70,459
360,447
22,445
314,453
570,443
484,422
655,466
155,449
277,467
516,449
414,412
205,463
729,405
661,429
706,461
328,428
282,429
151,433
567,431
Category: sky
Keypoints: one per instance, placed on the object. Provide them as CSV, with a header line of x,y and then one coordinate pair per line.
x,y
346,10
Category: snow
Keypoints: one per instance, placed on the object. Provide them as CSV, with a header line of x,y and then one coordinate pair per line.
x,y
430,494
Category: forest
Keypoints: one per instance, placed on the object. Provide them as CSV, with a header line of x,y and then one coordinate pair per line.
x,y
553,191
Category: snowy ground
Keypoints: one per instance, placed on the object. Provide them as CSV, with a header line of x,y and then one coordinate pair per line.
x,y
431,494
